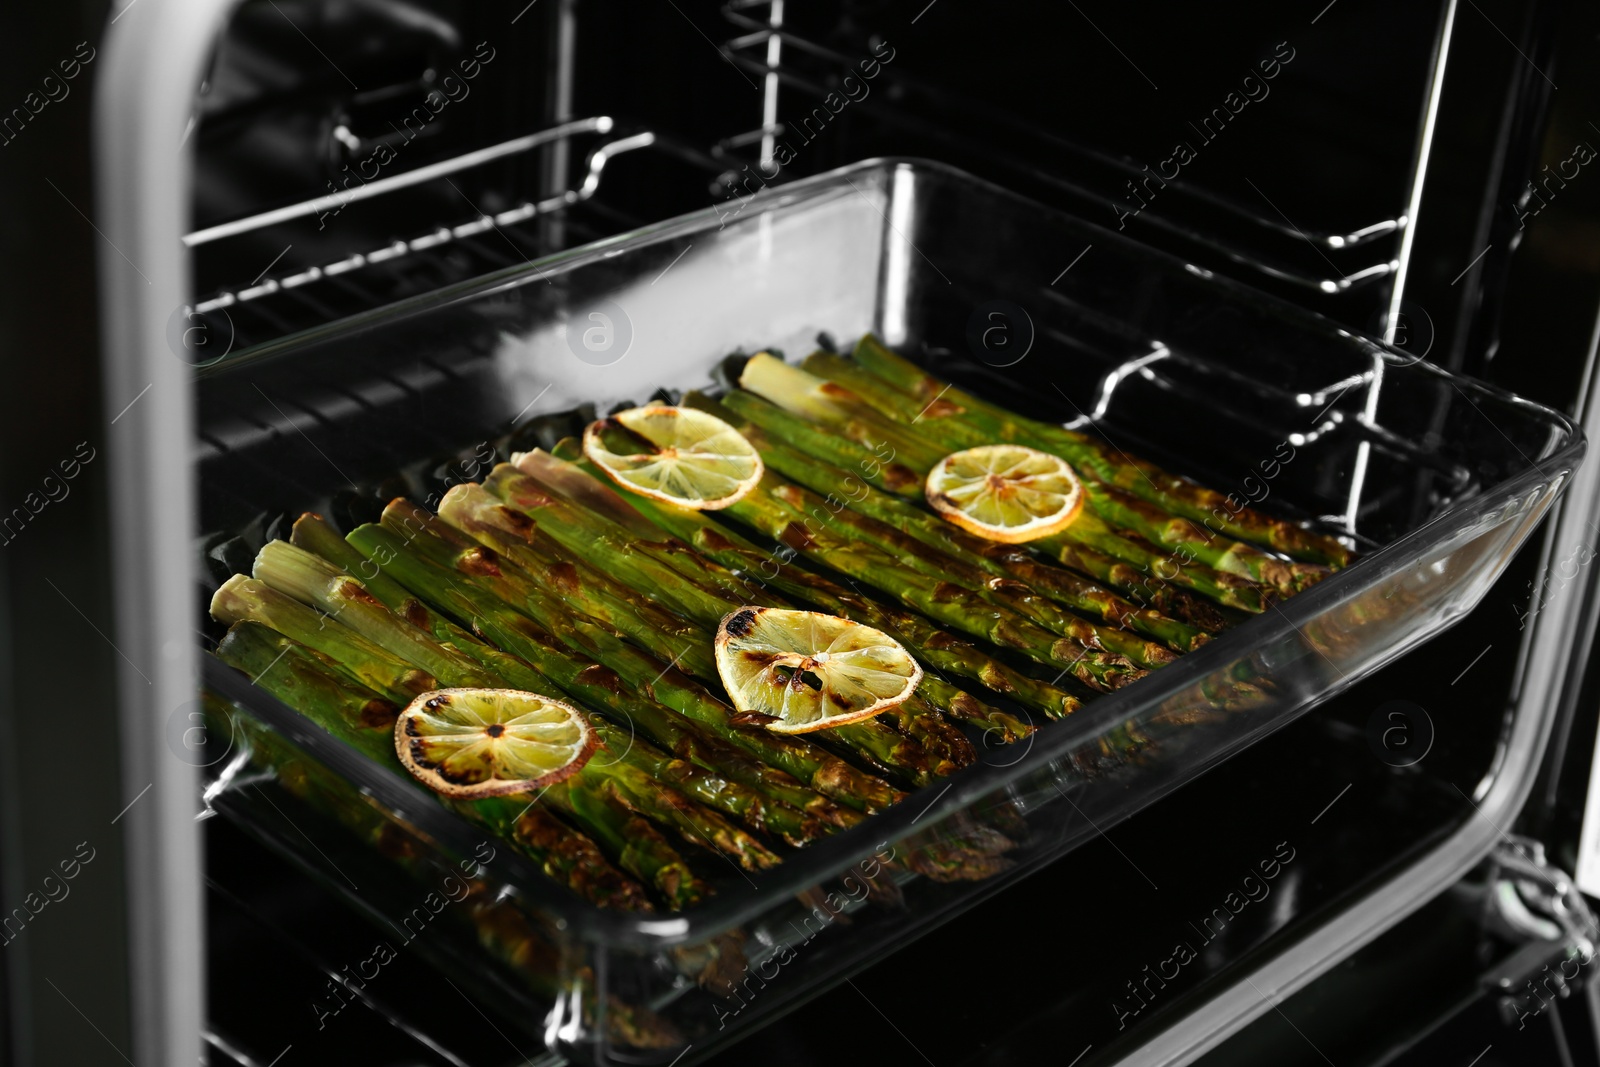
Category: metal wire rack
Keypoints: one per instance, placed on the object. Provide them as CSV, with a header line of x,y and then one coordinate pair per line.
x,y
276,304
1191,217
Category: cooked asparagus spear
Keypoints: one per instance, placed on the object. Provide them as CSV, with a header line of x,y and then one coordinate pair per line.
x,y
1157,568
1149,482
641,771
901,480
1191,542
954,574
241,598
879,465
737,785
920,716
936,648
512,584
679,796
886,749
315,687
590,683
1171,601
618,663
1005,594
950,605
481,516
933,553
997,560
956,426
611,549
591,535
640,848
501,925
941,856
801,393
846,414
362,718
247,599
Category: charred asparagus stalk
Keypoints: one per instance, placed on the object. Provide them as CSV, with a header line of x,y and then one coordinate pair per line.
x,y
838,408
919,716
587,682
995,559
241,598
949,424
959,857
639,770
364,719
510,534
1156,568
483,518
501,925
936,648
1145,480
580,533
446,546
1194,611
921,539
878,465
640,848
247,599
966,612
1190,541
885,748
454,592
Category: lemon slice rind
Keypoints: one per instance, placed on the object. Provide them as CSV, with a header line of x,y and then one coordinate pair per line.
x,y
472,743
799,671
1005,493
701,462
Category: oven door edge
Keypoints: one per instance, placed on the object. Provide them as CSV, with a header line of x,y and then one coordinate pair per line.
x,y
155,58
1547,679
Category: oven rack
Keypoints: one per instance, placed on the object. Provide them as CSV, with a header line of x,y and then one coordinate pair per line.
x,y
1196,217
274,305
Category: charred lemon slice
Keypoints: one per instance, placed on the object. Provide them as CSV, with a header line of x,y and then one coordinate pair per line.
x,y
1005,493
491,742
680,455
798,671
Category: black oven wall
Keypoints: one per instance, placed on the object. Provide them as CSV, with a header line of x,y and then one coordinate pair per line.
x,y
1276,148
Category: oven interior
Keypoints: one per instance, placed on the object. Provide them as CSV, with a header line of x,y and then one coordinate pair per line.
x,y
629,115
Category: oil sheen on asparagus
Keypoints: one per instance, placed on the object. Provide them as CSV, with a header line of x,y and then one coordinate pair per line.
x,y
553,576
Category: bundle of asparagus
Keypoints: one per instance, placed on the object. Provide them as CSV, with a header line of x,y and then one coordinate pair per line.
x,y
498,924
880,402
623,574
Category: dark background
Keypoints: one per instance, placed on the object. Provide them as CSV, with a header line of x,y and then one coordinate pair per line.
x,y
1054,100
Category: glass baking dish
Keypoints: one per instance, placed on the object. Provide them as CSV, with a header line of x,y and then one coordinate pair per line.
x,y
1437,480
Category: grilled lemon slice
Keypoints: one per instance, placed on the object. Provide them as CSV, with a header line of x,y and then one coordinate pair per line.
x,y
1005,493
798,671
681,455
491,742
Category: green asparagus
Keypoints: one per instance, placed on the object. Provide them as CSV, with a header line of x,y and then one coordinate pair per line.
x,y
582,533
941,601
937,558
362,718
247,599
621,664
947,422
1149,482
757,567
838,408
474,511
760,796
996,559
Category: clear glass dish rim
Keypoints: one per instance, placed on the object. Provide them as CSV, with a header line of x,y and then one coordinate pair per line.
x,y
741,902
